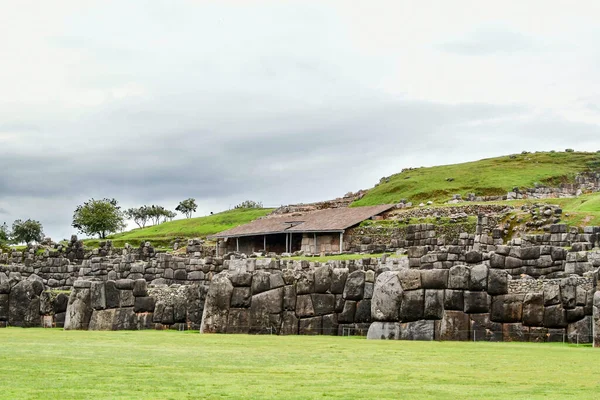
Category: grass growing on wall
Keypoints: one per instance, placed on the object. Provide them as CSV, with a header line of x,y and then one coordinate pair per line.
x,y
163,234
489,177
38,363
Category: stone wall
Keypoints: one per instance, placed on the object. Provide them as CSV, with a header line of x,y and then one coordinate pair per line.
x,y
126,304
270,297
27,303
561,235
474,303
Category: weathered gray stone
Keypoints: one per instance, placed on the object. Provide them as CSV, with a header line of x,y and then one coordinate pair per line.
x,y
261,282
124,284
477,302
507,308
411,307
79,310
323,304
515,332
216,309
323,279
497,282
3,307
289,325
417,330
355,286
24,304
306,283
551,294
304,306
458,277
434,279
482,329
533,309
580,332
384,331
555,317
241,279
289,298
241,297
330,325
410,279
568,292
310,326
478,278
434,304
144,304
265,311
98,296
127,299
140,288
363,311
112,294
454,300
276,280
385,305
338,280
347,315
455,326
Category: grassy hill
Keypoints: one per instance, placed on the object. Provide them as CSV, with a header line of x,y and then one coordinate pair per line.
x,y
161,235
488,177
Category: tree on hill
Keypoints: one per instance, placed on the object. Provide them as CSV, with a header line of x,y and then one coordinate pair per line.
x,y
99,217
26,231
250,204
159,214
187,207
4,234
139,215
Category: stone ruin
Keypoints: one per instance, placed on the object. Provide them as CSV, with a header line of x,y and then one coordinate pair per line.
x,y
475,289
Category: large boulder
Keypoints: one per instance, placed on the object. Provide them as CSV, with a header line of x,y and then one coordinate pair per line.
x,y
418,330
384,331
434,304
478,278
218,301
533,309
477,302
434,278
355,286
24,304
458,277
411,307
387,296
497,282
323,304
507,308
79,310
265,311
455,326
323,279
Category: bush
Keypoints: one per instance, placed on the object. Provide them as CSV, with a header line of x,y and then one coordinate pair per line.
x,y
569,150
249,204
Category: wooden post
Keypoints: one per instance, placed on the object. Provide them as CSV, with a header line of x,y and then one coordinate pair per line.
x,y
341,242
237,244
265,244
287,242
291,241
316,250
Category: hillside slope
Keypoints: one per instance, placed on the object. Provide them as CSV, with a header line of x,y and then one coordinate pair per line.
x,y
161,235
488,177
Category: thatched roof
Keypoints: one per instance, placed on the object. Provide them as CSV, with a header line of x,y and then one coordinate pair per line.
x,y
328,220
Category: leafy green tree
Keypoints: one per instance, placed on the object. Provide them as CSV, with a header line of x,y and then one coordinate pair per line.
x,y
99,217
169,215
139,215
187,207
4,234
27,231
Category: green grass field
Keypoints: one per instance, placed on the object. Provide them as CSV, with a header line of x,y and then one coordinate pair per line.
x,y
488,177
56,364
163,234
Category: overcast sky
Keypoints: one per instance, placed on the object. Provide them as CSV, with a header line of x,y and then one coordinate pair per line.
x,y
278,101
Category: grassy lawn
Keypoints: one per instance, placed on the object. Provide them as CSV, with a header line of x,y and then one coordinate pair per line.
x,y
163,234
489,177
37,363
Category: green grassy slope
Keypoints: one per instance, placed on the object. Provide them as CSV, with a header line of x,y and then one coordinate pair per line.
x,y
52,364
489,177
161,235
